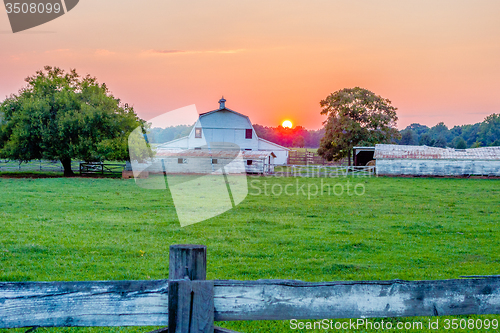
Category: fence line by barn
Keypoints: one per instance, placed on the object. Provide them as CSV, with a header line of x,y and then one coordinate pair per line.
x,y
36,166
84,168
310,157
93,168
187,302
327,171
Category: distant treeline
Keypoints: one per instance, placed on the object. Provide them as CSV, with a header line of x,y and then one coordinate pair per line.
x,y
486,133
161,135
296,137
290,137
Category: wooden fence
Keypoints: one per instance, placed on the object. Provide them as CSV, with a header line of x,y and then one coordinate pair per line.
x,y
310,158
93,168
187,302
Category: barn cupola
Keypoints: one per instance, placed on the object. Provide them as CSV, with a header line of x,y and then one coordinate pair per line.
x,y
222,103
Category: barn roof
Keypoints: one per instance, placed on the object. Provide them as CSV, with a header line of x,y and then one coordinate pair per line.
x,y
222,107
214,153
383,151
274,144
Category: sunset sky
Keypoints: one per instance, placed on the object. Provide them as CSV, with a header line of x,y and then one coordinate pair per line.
x,y
276,59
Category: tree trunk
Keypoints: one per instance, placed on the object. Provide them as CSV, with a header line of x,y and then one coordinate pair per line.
x,y
349,157
66,163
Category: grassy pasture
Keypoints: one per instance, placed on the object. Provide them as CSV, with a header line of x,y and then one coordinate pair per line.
x,y
110,229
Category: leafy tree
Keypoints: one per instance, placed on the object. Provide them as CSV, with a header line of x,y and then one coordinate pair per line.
x,y
63,116
298,141
469,133
439,129
426,140
459,143
456,131
440,142
355,116
408,137
314,137
418,129
489,130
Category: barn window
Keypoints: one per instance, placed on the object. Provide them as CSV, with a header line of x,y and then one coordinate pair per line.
x,y
197,148
248,134
249,162
182,160
214,161
197,132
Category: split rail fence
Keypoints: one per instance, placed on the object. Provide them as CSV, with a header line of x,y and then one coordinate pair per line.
x,y
187,302
92,168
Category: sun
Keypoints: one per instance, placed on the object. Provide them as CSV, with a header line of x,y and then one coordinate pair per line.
x,y
287,124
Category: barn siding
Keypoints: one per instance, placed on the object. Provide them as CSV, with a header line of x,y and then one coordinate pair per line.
x,y
281,154
420,167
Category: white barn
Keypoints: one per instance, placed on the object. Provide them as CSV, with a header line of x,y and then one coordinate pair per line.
x,y
432,161
224,127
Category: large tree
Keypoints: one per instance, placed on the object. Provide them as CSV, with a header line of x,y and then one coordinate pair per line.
x,y
356,116
489,131
61,116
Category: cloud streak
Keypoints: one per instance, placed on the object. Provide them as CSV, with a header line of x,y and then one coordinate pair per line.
x,y
103,52
171,52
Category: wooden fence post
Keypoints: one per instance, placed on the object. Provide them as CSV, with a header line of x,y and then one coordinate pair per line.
x,y
190,297
188,261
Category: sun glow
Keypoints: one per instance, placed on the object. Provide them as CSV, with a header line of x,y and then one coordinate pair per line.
x,y
287,124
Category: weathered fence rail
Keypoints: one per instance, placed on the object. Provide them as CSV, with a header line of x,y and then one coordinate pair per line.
x,y
90,168
189,303
96,303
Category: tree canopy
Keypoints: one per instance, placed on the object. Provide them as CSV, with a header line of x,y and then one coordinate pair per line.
x,y
486,133
61,115
356,116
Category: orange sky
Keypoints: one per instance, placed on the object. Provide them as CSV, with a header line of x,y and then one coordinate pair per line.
x,y
276,59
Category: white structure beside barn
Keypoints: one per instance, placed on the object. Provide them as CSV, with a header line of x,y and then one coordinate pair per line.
x,y
433,161
214,139
213,160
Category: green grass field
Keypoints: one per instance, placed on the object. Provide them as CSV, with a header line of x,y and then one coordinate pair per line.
x,y
110,229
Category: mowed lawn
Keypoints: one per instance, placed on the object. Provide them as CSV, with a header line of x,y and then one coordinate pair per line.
x,y
110,229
